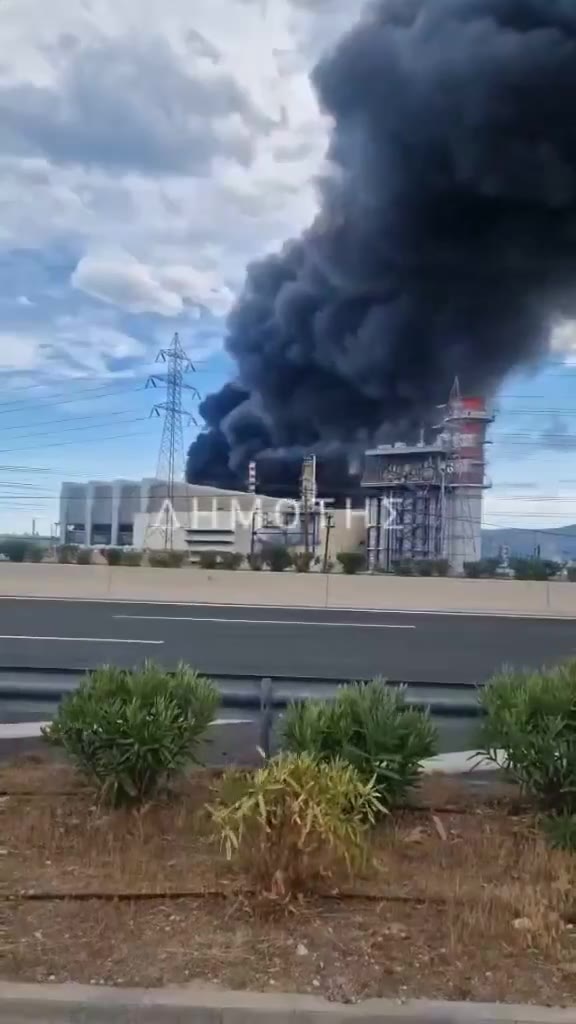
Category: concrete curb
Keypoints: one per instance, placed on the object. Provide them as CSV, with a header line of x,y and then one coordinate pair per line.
x,y
85,1004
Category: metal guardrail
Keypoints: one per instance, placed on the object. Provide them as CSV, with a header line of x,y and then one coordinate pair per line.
x,y
244,691
34,694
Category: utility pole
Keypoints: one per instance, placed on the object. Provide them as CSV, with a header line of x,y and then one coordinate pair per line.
x,y
308,496
329,526
252,490
171,456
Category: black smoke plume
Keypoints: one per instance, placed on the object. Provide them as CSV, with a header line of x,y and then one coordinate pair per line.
x,y
445,243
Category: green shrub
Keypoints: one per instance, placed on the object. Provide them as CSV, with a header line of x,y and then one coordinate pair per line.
x,y
231,560
276,557
130,731
441,566
84,556
67,554
352,562
424,567
167,559
295,822
132,558
485,568
404,567
530,729
208,559
15,550
302,560
571,573
373,728
255,561
534,568
560,831
112,555
35,553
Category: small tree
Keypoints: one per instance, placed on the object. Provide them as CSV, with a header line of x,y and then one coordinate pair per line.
x,y
84,556
255,561
276,557
352,562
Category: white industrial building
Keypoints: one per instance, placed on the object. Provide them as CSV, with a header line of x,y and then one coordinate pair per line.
x,y
198,518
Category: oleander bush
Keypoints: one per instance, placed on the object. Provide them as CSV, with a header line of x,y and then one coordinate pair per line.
x,y
130,731
370,726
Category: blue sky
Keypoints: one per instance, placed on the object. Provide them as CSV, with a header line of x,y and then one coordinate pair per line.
x,y
149,151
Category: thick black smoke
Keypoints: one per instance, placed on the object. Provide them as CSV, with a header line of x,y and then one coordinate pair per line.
x,y
445,243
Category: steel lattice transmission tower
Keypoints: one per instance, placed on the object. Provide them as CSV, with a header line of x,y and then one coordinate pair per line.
x,y
171,456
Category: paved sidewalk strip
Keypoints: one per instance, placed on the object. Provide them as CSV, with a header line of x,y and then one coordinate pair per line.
x,y
85,1004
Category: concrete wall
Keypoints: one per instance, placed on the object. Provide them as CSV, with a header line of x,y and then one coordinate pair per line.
x,y
290,589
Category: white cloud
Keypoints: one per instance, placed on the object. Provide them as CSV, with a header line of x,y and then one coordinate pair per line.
x,y
71,346
193,148
167,290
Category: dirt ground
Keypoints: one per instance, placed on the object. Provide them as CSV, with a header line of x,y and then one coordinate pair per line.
x,y
463,900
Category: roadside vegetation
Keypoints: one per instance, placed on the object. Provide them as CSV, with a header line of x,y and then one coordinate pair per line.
x,y
281,558
335,865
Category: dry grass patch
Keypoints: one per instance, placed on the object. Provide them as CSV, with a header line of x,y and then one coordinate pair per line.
x,y
455,905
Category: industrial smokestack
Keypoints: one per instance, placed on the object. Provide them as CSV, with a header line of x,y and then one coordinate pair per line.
x,y
445,243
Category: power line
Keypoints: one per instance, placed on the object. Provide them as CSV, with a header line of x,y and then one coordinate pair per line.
x,y
62,444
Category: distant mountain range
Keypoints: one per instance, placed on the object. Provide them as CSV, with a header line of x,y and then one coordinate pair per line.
x,y
557,544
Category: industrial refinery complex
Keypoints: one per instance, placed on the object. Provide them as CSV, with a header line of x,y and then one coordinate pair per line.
x,y
414,502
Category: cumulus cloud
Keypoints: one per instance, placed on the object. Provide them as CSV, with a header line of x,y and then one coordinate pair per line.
x,y
73,346
131,104
137,288
157,153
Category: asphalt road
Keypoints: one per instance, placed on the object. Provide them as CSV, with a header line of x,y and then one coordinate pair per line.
x,y
261,641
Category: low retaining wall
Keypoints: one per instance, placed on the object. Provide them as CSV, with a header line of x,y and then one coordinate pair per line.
x,y
313,590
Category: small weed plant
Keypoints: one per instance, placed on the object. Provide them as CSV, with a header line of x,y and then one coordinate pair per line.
x,y
296,822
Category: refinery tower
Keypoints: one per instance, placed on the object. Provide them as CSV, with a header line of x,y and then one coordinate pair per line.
x,y
425,500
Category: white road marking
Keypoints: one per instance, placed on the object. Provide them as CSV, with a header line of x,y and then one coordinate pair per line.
x,y
79,639
266,622
30,730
